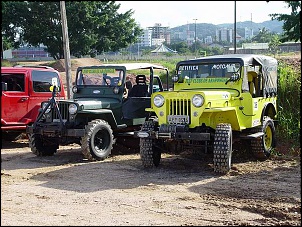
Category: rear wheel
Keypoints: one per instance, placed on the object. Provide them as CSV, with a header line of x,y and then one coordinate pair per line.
x,y
42,146
222,148
98,140
262,147
150,155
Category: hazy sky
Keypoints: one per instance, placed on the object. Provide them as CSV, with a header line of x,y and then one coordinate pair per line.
x,y
177,13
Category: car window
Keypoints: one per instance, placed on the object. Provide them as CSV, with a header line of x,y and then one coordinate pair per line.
x,y
100,77
15,82
42,80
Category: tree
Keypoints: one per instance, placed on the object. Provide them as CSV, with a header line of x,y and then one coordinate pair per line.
x,y
291,24
93,26
264,36
11,24
274,44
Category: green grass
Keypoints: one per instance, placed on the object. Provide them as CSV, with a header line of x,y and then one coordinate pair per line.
x,y
288,103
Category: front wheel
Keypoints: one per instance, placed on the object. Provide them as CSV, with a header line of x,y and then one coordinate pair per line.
x,y
262,147
222,148
42,146
98,140
150,155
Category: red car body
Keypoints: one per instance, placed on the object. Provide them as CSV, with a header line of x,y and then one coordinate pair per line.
x,y
20,104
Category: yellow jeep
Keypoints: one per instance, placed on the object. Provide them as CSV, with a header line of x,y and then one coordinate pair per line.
x,y
215,101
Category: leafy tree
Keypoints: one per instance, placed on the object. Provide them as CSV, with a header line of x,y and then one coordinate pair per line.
x,y
11,24
181,47
291,24
93,26
264,36
274,44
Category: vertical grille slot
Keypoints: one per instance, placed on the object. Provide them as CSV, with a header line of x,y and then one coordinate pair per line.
x,y
63,107
179,107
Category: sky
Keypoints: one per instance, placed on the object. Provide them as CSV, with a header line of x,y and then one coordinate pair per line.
x,y
176,13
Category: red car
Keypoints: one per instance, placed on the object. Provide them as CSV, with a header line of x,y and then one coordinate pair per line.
x,y
23,90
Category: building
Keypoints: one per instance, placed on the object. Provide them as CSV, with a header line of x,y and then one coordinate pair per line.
x,y
146,38
160,32
29,52
208,39
248,33
224,34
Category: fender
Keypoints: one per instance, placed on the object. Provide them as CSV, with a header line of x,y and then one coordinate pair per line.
x,y
268,110
105,114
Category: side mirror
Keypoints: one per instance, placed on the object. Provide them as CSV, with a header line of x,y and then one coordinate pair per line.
x,y
4,86
178,79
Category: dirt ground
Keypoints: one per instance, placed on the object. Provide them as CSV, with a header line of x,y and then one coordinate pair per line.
x,y
67,190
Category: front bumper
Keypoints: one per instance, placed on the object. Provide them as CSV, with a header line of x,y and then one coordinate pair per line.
x,y
54,130
197,136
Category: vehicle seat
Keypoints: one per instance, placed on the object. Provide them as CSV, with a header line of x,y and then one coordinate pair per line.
x,y
140,89
251,81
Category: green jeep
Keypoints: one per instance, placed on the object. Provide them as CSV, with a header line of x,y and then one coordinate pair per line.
x,y
108,102
216,100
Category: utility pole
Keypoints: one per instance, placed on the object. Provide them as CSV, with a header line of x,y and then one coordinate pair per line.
x,y
195,37
66,48
235,32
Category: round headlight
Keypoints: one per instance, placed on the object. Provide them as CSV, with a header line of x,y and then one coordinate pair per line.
x,y
44,106
197,100
72,108
74,89
158,100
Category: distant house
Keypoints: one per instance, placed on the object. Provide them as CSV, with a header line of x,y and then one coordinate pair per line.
x,y
216,45
290,46
29,52
250,48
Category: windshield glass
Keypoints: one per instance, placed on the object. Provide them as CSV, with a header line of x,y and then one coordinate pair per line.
x,y
42,80
100,77
208,70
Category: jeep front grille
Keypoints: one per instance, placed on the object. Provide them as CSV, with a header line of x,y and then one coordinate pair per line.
x,y
63,107
179,106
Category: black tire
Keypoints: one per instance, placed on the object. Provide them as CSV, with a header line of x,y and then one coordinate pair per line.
x,y
222,148
41,146
150,155
262,147
98,140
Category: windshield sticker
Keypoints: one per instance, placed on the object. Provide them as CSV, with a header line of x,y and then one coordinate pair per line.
x,y
224,66
98,70
206,80
188,67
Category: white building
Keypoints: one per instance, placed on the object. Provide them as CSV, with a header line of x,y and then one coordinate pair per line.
x,y
224,34
248,33
146,38
208,40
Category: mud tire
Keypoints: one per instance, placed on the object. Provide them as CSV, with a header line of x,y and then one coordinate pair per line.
x,y
40,146
262,147
98,140
222,148
150,155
